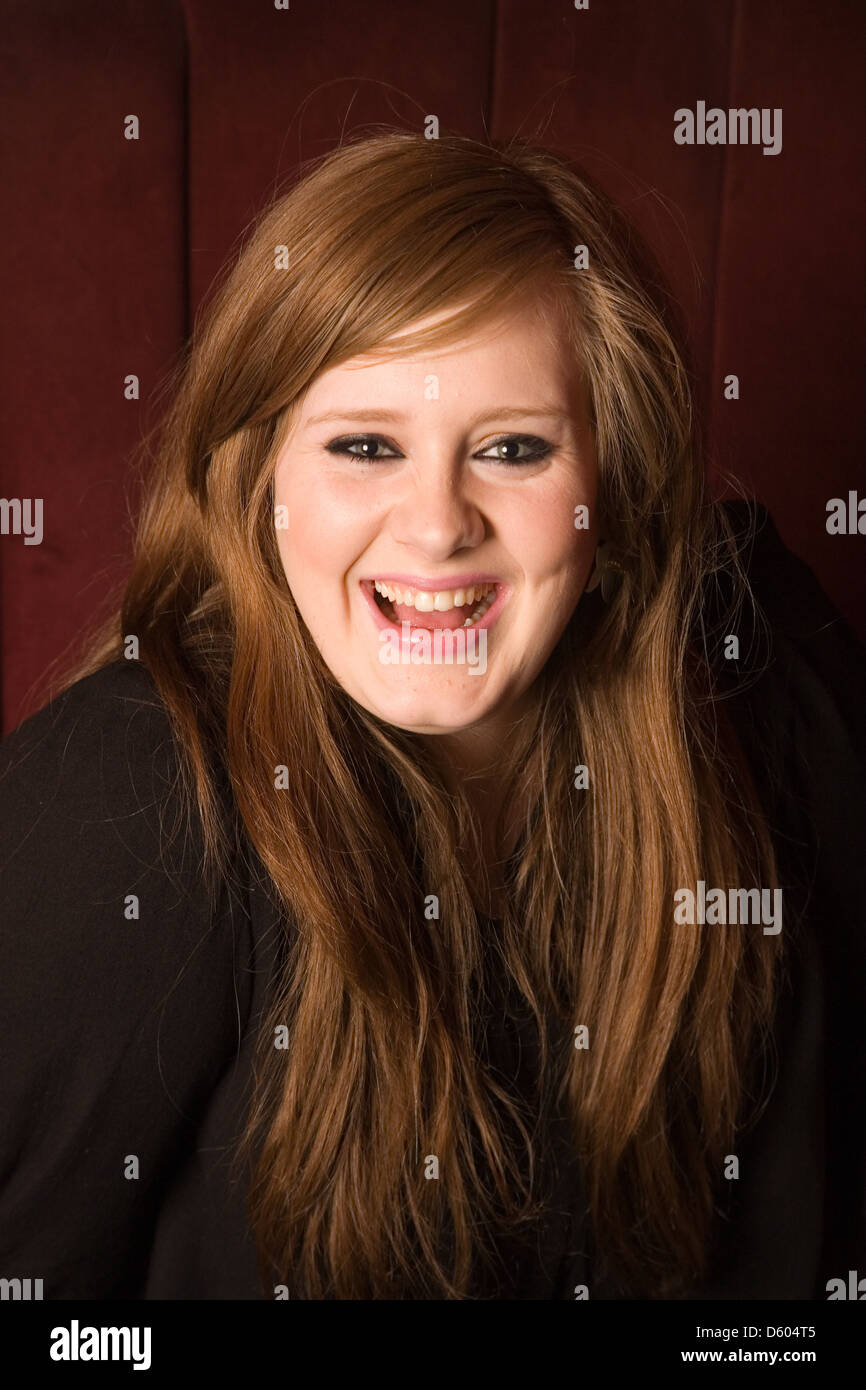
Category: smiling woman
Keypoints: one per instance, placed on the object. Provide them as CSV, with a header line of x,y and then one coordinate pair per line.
x,y
453,520
369,970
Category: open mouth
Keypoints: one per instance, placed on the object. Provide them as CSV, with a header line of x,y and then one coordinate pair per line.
x,y
473,605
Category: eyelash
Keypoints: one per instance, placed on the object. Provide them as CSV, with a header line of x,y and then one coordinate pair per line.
x,y
342,447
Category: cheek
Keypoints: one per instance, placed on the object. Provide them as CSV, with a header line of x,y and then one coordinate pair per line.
x,y
553,552
325,523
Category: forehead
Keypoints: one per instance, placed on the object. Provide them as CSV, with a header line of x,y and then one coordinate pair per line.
x,y
503,355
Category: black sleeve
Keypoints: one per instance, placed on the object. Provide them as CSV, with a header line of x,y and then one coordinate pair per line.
x,y
118,1005
803,724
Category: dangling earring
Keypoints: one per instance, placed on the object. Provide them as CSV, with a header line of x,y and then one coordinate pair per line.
x,y
607,572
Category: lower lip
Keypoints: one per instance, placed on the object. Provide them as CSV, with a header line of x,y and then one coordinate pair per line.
x,y
385,624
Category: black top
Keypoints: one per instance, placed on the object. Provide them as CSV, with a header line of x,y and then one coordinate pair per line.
x,y
130,1037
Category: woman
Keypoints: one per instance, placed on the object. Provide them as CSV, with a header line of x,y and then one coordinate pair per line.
x,y
358,935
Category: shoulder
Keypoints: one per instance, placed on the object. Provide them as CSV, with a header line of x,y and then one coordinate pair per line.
x,y
124,987
104,742
796,697
800,703
101,859
797,675
806,630
99,769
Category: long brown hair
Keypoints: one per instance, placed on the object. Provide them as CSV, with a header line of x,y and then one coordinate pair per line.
x,y
382,1005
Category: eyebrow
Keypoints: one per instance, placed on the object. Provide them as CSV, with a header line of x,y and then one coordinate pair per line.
x,y
397,416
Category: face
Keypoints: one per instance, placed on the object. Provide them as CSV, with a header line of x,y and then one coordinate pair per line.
x,y
431,523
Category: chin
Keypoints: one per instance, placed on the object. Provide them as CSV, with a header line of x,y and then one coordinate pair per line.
x,y
429,715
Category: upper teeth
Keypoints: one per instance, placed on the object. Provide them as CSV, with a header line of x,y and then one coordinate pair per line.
x,y
439,600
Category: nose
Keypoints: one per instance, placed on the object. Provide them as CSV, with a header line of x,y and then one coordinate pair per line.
x,y
436,515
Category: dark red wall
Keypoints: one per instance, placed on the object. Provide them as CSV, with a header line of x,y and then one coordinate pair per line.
x,y
110,244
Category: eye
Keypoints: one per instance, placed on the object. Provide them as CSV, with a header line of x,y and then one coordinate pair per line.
x,y
365,448
367,444
509,445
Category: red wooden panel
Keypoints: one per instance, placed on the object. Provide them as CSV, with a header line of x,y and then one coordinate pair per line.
x,y
271,89
93,245
601,85
791,283
763,251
